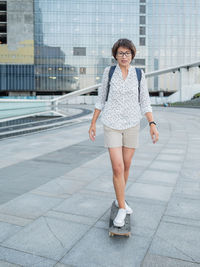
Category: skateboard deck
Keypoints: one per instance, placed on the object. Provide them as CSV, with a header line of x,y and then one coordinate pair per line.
x,y
115,230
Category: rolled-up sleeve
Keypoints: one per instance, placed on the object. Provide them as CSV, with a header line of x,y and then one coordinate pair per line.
x,y
145,102
102,90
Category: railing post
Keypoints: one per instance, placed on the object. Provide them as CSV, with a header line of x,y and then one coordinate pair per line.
x,y
180,84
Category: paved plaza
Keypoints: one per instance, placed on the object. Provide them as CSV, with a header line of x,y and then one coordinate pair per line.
x,y
56,191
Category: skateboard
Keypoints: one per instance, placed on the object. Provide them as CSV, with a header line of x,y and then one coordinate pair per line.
x,y
115,230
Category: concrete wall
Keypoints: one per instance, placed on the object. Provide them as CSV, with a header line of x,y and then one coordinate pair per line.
x,y
188,91
20,37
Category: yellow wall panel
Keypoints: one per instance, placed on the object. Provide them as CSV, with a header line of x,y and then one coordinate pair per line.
x,y
24,54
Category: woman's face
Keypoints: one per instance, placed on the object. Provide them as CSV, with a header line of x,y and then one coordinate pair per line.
x,y
124,56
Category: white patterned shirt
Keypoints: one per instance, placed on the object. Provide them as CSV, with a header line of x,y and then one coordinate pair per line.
x,y
122,110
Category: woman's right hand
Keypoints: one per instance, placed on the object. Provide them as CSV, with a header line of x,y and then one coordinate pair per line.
x,y
92,132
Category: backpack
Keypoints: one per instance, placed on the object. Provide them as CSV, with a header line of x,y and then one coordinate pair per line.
x,y
111,71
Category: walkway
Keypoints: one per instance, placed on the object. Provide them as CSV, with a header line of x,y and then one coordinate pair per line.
x,y
56,191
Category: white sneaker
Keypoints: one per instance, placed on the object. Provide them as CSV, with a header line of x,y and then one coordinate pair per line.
x,y
119,219
128,209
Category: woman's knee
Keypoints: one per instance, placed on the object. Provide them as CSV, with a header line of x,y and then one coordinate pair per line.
x,y
118,168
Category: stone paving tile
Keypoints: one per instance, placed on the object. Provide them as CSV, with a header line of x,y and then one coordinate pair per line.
x,y
141,162
181,220
141,155
184,207
190,174
73,154
193,164
7,264
177,241
6,196
159,176
48,237
63,265
170,157
101,163
152,260
71,217
61,188
143,190
29,206
14,220
85,205
104,184
7,230
135,172
187,189
176,151
83,174
193,155
28,175
20,258
166,166
102,250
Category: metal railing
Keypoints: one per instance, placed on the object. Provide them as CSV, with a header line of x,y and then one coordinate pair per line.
x,y
42,106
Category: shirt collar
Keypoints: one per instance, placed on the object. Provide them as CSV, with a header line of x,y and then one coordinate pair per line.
x,y
119,69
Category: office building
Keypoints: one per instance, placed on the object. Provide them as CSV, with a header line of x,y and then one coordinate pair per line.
x,y
58,46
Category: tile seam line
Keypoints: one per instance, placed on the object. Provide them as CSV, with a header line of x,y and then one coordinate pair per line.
x,y
167,204
25,252
92,226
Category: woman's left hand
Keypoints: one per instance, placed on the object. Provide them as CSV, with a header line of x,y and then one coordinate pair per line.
x,y
154,133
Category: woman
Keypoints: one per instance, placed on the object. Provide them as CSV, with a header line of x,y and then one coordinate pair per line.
x,y
121,115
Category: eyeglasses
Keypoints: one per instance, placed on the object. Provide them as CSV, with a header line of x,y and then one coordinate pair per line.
x,y
121,54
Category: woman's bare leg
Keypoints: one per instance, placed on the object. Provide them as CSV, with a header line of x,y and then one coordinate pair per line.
x,y
127,158
117,162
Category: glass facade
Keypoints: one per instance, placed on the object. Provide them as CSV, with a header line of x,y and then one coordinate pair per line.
x,y
73,40
165,32
80,34
173,38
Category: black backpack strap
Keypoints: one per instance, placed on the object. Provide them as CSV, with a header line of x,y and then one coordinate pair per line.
x,y
139,76
110,74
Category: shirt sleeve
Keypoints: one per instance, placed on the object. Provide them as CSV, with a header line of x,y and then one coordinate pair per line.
x,y
102,90
145,102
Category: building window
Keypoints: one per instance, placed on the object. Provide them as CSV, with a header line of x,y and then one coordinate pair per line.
x,y
3,22
143,9
142,30
79,51
3,28
82,70
3,16
140,61
142,40
3,6
3,38
142,20
142,1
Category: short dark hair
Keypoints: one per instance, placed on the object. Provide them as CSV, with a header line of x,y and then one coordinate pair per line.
x,y
124,43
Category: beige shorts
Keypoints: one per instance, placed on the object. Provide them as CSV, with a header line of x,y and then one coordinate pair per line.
x,y
117,138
